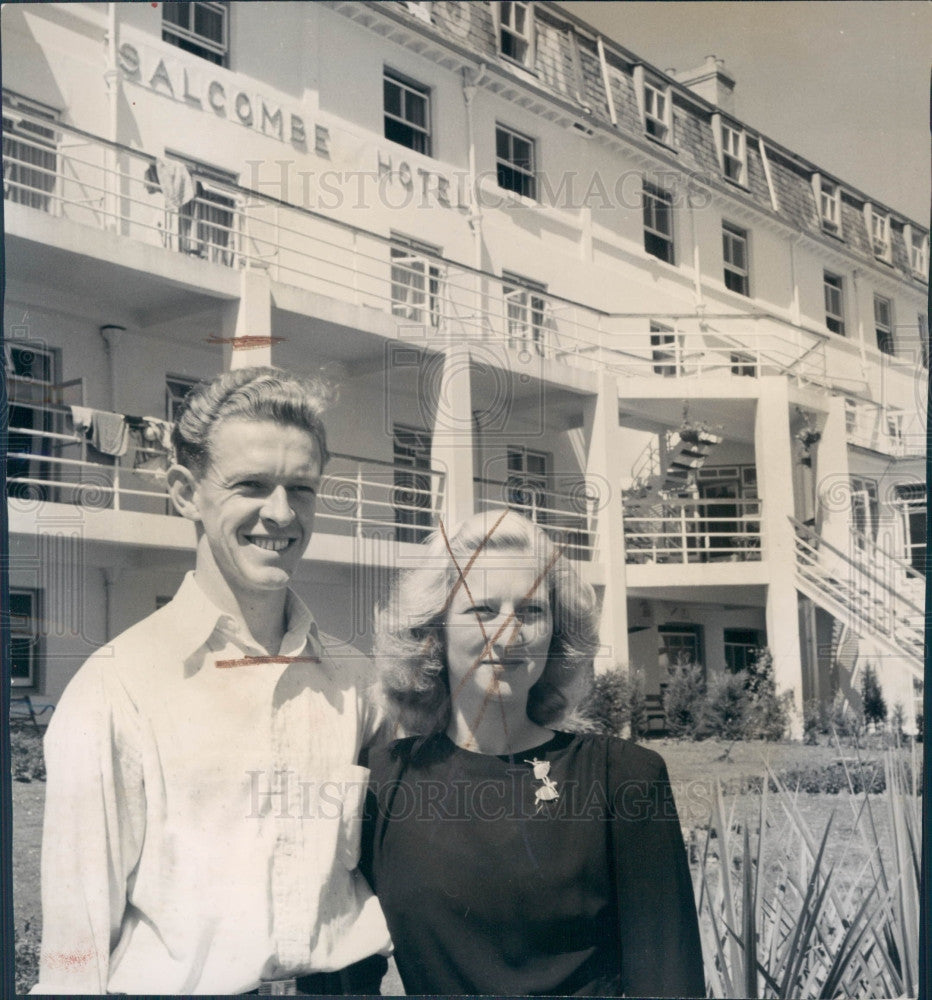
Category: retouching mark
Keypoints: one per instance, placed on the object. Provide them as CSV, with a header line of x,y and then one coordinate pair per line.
x,y
249,661
247,342
494,686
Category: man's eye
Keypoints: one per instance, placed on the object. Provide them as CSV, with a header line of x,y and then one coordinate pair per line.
x,y
307,491
250,484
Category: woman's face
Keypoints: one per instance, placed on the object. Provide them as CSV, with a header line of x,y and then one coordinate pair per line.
x,y
498,630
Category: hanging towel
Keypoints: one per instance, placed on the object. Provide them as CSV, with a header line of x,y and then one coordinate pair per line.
x,y
176,183
158,430
81,417
109,433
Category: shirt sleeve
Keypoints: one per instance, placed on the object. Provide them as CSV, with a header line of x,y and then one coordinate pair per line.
x,y
661,954
92,832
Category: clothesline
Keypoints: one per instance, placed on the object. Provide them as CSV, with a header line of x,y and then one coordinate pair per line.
x,y
110,433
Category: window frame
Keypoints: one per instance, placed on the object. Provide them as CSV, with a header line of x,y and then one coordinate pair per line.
x,y
683,629
32,633
520,481
657,126
521,41
531,326
741,275
918,250
189,40
880,234
883,329
408,86
664,350
36,183
513,165
172,399
652,195
740,158
411,456
832,285
830,206
422,263
734,639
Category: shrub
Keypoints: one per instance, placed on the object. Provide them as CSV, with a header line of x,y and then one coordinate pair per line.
x,y
814,721
615,700
874,705
843,721
683,700
726,707
26,760
768,714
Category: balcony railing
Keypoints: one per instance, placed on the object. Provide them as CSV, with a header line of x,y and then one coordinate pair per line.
x,y
49,460
693,531
568,518
71,174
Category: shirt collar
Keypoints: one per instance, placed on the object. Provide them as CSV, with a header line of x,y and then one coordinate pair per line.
x,y
199,618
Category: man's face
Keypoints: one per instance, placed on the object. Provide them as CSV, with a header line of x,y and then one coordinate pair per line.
x,y
256,501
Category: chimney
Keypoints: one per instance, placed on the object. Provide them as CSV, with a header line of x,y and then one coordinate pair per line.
x,y
712,81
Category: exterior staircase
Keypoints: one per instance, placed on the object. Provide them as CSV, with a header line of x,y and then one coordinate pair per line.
x,y
870,591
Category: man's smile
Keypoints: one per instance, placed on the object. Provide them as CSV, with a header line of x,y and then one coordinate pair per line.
x,y
269,544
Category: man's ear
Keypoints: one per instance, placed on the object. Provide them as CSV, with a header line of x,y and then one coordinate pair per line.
x,y
182,488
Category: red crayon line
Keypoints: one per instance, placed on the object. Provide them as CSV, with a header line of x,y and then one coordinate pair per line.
x,y
243,343
248,661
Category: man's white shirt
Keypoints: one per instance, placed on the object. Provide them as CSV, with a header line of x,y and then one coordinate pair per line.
x,y
203,811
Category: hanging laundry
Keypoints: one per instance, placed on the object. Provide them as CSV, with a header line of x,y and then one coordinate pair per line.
x,y
159,431
81,417
109,433
178,187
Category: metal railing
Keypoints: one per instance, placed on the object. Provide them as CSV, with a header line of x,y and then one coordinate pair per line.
x,y
75,175
693,531
568,518
49,460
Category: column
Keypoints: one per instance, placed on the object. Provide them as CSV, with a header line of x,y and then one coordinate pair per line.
x,y
773,449
601,425
251,343
452,440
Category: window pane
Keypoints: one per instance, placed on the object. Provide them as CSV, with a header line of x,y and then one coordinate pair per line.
x,y
177,13
416,109
208,23
502,145
392,96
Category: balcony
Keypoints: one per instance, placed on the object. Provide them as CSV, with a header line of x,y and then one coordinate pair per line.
x,y
185,211
568,518
50,459
693,531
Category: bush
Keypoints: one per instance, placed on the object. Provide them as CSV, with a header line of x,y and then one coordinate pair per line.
x,y
726,707
615,700
843,721
874,705
683,700
815,721
26,760
768,714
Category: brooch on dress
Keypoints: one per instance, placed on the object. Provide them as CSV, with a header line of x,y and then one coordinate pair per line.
x,y
548,789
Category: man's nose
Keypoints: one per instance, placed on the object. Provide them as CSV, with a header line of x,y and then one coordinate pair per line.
x,y
277,507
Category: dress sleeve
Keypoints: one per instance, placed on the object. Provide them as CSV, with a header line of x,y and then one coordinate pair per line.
x,y
661,955
92,834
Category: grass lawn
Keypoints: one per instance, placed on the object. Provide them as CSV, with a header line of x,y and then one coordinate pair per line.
x,y
693,768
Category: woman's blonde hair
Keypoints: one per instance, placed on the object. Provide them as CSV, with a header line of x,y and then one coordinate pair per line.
x,y
410,645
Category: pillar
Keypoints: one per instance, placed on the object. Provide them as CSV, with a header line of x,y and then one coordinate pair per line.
x,y
773,448
602,478
452,439
251,342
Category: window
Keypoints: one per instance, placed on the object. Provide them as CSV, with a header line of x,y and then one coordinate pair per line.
x,y
32,382
834,303
742,647
912,501
412,494
865,506
199,28
528,481
663,350
176,388
514,162
734,154
30,153
880,234
883,324
417,283
658,222
526,313
514,31
830,206
919,252
681,644
656,112
407,113
207,223
24,637
735,256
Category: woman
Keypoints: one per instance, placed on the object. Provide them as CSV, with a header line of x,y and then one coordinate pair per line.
x,y
511,858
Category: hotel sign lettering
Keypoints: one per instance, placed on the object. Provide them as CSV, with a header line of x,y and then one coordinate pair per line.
x,y
191,85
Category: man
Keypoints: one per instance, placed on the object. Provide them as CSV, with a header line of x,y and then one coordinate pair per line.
x,y
203,799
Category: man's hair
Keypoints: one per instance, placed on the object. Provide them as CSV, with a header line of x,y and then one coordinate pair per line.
x,y
410,641
256,393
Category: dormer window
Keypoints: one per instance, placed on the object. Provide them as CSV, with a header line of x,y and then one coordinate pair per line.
x,y
828,196
734,154
656,111
514,30
917,243
879,224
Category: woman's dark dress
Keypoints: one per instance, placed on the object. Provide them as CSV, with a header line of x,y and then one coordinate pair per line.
x,y
489,891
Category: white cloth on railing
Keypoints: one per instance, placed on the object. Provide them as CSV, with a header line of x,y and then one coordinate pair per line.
x,y
81,417
158,430
109,433
176,182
